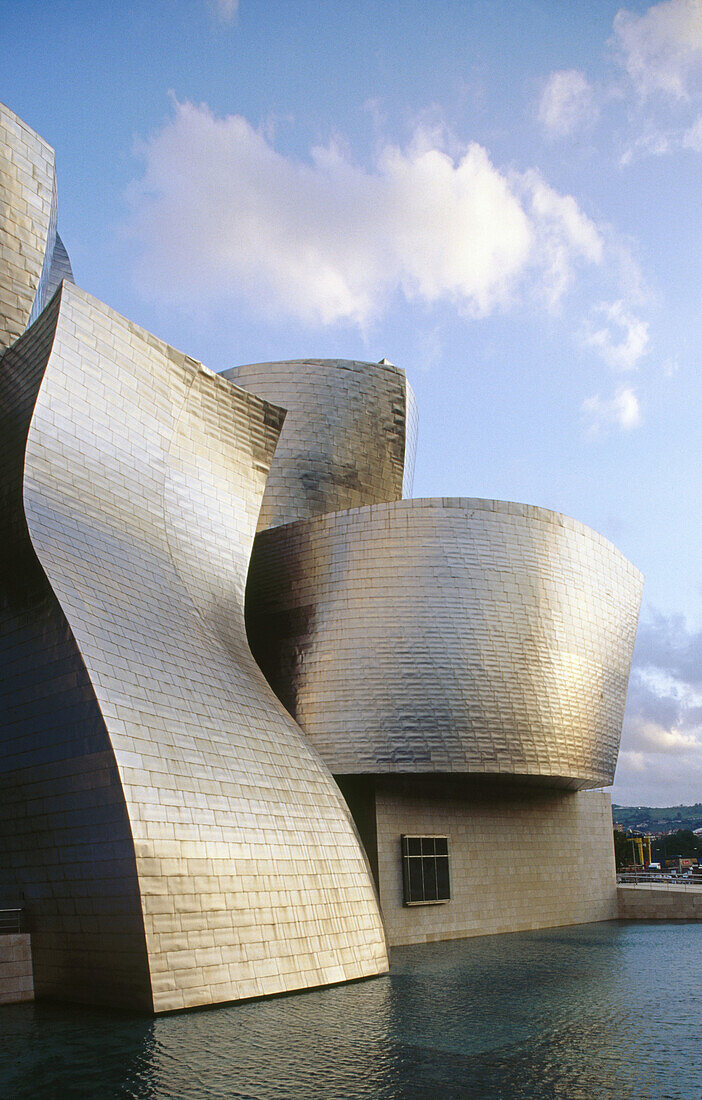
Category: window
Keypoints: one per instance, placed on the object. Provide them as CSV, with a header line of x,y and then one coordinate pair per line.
x,y
425,870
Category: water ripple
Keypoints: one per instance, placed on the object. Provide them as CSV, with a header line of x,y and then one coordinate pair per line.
x,y
596,1012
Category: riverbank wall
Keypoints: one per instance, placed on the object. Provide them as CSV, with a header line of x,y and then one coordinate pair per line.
x,y
659,902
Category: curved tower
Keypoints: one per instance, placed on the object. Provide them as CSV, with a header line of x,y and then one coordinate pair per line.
x,y
33,258
472,637
349,436
461,665
174,836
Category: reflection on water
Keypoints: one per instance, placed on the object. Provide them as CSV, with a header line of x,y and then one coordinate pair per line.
x,y
595,1011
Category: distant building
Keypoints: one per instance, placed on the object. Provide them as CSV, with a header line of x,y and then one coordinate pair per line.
x,y
445,678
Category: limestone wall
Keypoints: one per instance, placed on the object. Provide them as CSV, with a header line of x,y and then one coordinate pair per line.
x,y
16,981
519,858
659,903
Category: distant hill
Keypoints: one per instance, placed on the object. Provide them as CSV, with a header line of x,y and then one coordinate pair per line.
x,y
658,819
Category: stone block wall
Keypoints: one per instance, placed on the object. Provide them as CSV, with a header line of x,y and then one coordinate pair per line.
x,y
520,858
659,903
16,981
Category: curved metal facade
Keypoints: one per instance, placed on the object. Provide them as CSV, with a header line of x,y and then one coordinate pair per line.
x,y
349,436
451,635
174,836
147,757
28,275
60,269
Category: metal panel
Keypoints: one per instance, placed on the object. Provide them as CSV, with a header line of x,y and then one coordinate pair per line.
x,y
449,635
27,227
349,437
141,488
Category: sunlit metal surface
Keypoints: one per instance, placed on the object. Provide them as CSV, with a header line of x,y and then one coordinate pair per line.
x,y
349,436
28,239
60,269
449,635
174,838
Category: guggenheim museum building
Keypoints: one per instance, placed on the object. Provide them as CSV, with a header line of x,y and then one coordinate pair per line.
x,y
263,715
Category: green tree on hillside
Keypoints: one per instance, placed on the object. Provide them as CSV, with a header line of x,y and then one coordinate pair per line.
x,y
622,850
683,843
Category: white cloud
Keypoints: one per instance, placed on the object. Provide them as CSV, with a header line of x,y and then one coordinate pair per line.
x,y
647,779
222,215
567,103
661,758
621,411
563,233
225,9
661,50
660,54
623,338
667,648
692,138
653,142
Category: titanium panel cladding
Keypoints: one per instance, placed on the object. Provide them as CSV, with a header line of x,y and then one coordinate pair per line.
x,y
141,487
349,436
67,850
450,635
28,211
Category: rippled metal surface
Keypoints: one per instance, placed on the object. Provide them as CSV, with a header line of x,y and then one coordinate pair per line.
x,y
597,1012
349,437
142,752
448,635
60,269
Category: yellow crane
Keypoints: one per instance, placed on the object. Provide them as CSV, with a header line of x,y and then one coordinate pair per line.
x,y
641,847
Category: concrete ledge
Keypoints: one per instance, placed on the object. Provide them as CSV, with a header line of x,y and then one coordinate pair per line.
x,y
659,902
16,978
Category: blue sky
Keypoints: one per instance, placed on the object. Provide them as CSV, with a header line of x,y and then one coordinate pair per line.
x,y
502,198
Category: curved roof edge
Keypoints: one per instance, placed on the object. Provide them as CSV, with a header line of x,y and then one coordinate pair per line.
x,y
340,364
476,504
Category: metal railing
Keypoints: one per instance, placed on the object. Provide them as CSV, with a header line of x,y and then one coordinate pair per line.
x,y
10,921
659,878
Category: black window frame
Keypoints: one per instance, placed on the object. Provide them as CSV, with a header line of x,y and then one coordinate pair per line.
x,y
426,869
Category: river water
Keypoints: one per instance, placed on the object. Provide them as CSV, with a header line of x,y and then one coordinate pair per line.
x,y
582,1013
